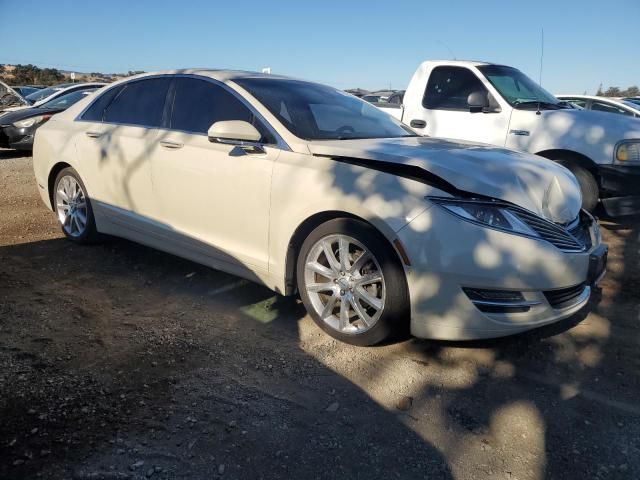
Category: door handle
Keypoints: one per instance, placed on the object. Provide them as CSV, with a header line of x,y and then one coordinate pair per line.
x,y
91,134
417,123
171,145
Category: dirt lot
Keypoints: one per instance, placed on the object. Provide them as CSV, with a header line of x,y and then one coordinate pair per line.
x,y
117,362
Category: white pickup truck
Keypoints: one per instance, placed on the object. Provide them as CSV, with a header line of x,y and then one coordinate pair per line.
x,y
500,105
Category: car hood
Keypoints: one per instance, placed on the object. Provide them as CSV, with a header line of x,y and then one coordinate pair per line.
x,y
592,126
9,97
532,182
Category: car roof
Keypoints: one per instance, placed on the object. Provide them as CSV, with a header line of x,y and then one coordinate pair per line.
x,y
220,75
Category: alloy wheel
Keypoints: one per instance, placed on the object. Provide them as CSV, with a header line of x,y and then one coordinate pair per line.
x,y
344,283
71,205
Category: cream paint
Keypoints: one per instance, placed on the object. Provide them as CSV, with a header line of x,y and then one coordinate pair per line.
x,y
237,211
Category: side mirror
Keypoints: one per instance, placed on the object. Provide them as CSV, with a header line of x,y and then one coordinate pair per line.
x,y
234,132
478,101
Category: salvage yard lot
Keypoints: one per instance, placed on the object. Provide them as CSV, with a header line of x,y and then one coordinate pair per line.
x,y
118,361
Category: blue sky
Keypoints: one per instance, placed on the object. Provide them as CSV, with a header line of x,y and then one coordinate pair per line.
x,y
346,44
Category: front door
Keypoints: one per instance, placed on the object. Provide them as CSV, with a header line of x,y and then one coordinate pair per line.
x,y
445,112
213,197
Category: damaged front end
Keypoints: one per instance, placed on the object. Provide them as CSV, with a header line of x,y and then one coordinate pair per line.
x,y
10,98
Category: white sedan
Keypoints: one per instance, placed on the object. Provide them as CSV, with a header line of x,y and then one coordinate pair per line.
x,y
619,106
309,190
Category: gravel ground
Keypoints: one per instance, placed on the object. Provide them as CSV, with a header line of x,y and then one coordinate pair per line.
x,y
120,362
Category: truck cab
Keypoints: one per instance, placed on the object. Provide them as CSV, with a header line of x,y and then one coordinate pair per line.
x,y
500,105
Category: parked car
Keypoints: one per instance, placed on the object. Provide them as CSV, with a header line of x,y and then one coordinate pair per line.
x,y
386,98
500,105
634,100
18,128
358,92
603,104
303,188
380,96
44,95
25,90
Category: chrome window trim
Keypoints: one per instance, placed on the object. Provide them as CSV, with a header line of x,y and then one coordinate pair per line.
x,y
280,142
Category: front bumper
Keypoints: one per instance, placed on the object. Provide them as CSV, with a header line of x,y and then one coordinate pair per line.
x,y
18,138
620,185
450,256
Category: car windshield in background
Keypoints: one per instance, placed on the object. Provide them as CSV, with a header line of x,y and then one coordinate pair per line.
x,y
40,94
317,112
518,89
66,100
24,91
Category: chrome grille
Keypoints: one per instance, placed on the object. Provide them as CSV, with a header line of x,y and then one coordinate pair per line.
x,y
551,232
580,231
564,297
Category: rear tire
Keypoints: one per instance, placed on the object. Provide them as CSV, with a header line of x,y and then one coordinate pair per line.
x,y
72,205
352,283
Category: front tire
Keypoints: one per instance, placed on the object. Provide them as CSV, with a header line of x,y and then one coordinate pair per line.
x,y
73,207
352,283
588,187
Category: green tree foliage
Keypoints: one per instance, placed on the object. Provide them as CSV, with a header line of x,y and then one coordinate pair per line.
x,y
32,75
633,91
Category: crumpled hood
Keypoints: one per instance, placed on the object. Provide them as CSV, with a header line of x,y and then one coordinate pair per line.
x,y
9,97
532,182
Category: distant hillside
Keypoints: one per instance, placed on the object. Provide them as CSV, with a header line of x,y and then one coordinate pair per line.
x,y
34,75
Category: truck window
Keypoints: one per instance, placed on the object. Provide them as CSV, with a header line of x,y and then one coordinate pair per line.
x,y
449,87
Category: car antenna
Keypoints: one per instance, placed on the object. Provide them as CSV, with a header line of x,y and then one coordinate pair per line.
x,y
447,47
541,57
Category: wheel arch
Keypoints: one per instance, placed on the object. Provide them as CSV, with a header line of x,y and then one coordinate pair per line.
x,y
571,157
53,174
312,222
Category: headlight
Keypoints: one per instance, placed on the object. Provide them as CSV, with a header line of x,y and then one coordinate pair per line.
x,y
29,122
485,213
628,152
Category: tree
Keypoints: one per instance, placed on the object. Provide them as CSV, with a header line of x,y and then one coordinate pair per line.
x,y
613,92
30,74
632,92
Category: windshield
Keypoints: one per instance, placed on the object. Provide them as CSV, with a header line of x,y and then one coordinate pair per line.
x,y
40,94
634,101
317,112
67,99
24,91
518,89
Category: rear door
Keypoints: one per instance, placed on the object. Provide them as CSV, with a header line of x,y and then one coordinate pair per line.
x,y
118,144
213,197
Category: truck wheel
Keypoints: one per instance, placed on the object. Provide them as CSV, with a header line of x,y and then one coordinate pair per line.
x,y
588,187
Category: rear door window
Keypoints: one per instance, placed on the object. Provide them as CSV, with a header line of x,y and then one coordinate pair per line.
x,y
140,103
449,87
95,112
